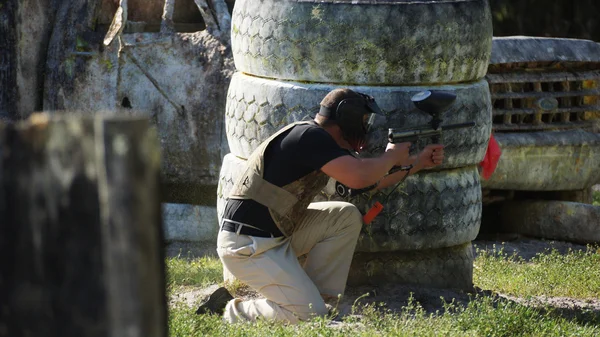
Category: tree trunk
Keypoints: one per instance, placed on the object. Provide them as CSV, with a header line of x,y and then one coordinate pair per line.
x,y
68,49
80,236
25,28
8,59
35,22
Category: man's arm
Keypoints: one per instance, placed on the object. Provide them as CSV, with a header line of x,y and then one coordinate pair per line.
x,y
360,173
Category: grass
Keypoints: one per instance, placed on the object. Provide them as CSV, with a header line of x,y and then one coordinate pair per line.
x,y
575,274
483,316
198,272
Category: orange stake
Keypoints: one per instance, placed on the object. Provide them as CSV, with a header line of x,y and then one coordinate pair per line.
x,y
372,213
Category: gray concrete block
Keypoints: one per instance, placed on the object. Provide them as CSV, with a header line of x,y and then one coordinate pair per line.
x,y
183,222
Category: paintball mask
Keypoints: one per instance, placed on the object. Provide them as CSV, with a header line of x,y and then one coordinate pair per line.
x,y
356,117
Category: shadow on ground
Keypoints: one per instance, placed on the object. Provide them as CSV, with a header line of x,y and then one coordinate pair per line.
x,y
526,248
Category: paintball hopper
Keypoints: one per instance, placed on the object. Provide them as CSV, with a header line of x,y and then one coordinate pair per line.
x,y
433,102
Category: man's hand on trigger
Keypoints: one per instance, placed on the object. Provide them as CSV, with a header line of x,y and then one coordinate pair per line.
x,y
431,156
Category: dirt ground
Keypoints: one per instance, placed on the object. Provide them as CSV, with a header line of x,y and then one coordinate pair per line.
x,y
395,296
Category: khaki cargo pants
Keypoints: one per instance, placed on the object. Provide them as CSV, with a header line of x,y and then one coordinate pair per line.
x,y
327,234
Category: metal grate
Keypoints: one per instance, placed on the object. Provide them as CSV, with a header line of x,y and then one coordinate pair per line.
x,y
534,100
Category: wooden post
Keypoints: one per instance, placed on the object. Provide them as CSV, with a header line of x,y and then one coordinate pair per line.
x,y
80,229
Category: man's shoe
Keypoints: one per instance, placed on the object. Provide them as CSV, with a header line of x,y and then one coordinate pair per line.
x,y
215,303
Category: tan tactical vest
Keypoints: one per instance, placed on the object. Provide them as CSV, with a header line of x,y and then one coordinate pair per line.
x,y
287,204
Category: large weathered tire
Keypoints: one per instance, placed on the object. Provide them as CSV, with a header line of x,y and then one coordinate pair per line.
x,y
430,210
231,169
442,268
257,107
558,220
547,161
363,41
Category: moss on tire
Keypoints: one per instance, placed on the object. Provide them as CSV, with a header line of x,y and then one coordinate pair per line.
x,y
429,210
363,41
257,108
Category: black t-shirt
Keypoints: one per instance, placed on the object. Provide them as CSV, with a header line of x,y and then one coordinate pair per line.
x,y
298,152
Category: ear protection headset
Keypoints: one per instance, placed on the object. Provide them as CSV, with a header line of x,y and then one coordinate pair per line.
x,y
350,116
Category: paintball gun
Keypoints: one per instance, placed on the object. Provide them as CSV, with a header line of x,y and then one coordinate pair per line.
x,y
433,103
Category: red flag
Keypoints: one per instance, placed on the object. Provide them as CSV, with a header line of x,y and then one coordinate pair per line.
x,y
492,156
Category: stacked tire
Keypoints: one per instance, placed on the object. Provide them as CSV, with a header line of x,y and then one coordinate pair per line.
x,y
290,54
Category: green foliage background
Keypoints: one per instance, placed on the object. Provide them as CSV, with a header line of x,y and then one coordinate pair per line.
x,y
556,18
